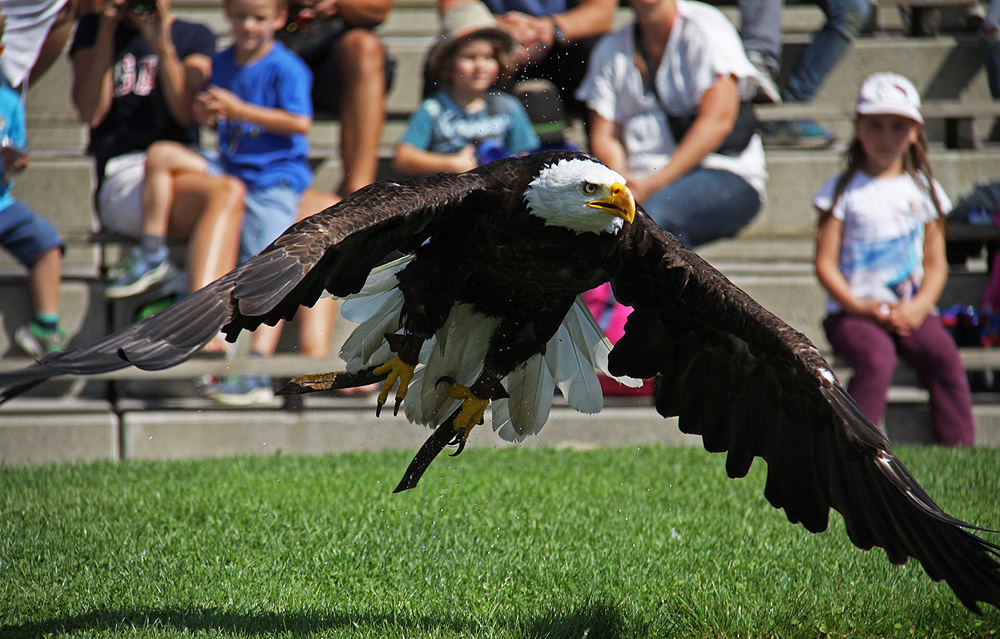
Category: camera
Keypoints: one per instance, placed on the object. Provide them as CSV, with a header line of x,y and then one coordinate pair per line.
x,y
142,6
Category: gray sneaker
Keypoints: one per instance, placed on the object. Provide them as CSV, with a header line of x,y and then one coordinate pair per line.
x,y
796,134
137,274
767,86
38,343
243,391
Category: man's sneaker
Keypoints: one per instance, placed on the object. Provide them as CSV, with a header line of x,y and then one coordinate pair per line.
x,y
796,134
767,87
243,391
136,274
37,342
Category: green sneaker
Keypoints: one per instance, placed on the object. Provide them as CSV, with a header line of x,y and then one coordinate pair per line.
x,y
38,343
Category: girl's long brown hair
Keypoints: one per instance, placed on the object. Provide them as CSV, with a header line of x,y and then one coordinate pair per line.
x,y
916,163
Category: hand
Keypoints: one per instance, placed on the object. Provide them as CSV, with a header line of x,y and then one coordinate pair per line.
x,y
206,109
13,160
223,101
642,187
906,317
533,35
154,26
464,160
113,10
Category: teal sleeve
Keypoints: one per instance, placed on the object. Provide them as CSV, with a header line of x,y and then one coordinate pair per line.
x,y
420,129
521,138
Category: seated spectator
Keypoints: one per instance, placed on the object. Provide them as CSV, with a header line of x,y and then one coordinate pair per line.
x,y
669,99
465,123
844,21
554,37
991,47
29,237
260,104
880,255
352,70
134,75
36,32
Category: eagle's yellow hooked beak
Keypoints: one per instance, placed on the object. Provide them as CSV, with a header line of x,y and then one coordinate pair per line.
x,y
617,200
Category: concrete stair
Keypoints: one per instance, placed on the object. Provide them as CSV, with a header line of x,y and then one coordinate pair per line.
x,y
771,260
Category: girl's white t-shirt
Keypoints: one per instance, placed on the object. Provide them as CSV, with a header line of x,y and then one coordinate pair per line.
x,y
882,248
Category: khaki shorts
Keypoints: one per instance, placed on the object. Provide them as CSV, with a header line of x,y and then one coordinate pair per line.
x,y
119,202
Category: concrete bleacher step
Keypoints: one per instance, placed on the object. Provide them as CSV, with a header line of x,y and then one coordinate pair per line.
x,y
75,430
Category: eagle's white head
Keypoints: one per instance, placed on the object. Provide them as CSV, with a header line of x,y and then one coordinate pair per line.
x,y
582,195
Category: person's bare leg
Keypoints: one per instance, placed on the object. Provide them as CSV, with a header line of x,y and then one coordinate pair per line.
x,y
315,322
361,62
207,211
315,325
44,278
165,161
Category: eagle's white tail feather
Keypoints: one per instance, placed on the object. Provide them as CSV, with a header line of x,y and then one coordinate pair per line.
x,y
531,388
368,338
573,372
376,309
600,347
382,279
465,336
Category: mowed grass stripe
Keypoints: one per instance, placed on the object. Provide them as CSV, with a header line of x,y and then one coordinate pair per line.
x,y
637,542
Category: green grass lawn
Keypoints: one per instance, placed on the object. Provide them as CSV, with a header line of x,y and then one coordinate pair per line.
x,y
650,542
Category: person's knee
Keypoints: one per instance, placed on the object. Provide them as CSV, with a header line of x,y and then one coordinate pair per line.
x,y
848,17
881,365
361,54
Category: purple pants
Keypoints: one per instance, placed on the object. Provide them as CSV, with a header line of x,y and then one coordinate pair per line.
x,y
873,353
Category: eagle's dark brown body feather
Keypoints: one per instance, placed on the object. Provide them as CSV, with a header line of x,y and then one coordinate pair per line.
x,y
745,381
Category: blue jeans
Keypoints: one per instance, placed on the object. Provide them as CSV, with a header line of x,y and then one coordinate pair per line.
x,y
26,234
991,50
704,205
760,28
269,211
844,21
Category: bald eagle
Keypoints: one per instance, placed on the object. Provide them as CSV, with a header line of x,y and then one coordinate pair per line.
x,y
482,308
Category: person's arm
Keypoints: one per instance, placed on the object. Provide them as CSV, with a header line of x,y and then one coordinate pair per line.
x,y
226,104
606,144
587,19
827,264
363,13
91,88
411,160
717,113
907,316
179,80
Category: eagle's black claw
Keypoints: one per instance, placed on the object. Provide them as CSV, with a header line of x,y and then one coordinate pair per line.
x,y
459,439
378,408
444,379
395,407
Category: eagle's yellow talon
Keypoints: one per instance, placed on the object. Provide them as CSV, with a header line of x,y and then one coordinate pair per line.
x,y
473,409
396,370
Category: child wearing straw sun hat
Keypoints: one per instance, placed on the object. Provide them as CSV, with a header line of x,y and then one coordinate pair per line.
x,y
467,122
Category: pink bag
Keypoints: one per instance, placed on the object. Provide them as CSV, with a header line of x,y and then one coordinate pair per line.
x,y
611,316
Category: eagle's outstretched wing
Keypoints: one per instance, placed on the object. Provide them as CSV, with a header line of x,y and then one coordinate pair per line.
x,y
333,250
751,385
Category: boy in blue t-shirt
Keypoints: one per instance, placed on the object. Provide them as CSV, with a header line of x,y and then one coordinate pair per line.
x,y
466,123
28,236
259,101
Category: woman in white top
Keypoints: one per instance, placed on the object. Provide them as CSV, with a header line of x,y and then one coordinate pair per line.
x,y
669,108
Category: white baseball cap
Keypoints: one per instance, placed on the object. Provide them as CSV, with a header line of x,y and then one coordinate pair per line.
x,y
889,93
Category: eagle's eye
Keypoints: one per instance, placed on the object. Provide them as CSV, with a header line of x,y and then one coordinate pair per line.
x,y
589,188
